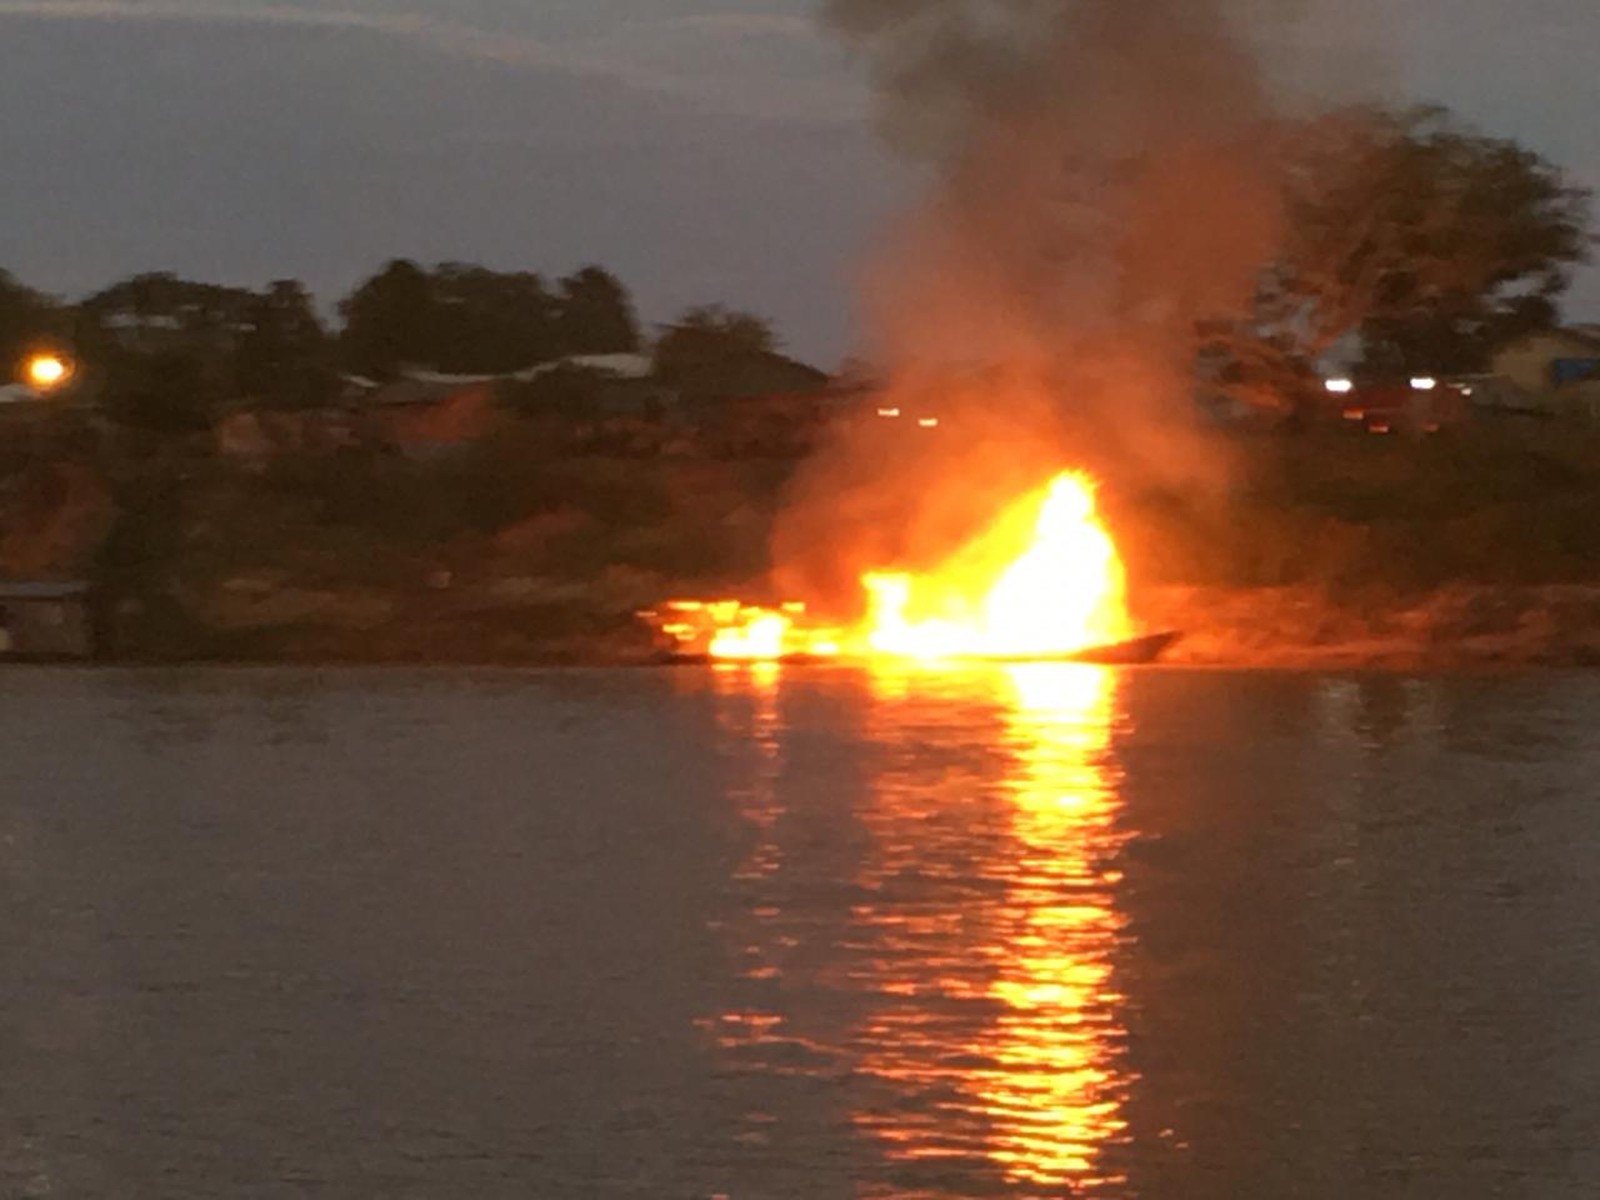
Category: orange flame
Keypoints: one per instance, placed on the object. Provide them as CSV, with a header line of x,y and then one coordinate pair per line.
x,y
1049,585
1044,579
738,632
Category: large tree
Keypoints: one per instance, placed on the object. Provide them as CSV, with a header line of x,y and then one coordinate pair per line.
x,y
490,322
165,350
468,319
1426,244
162,308
710,334
283,357
389,321
27,318
596,315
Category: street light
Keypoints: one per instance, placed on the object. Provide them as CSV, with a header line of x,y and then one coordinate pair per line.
x,y
47,372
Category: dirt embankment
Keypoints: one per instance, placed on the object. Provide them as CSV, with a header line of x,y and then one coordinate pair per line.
x,y
53,519
1457,625
512,621
526,622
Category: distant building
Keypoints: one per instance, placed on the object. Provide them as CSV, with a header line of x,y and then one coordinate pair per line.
x,y
618,366
756,403
1555,372
424,420
746,376
45,620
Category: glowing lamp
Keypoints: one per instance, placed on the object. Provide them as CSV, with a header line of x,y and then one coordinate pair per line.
x,y
45,372
1424,383
1339,387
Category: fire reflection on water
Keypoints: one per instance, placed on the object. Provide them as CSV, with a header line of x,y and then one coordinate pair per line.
x,y
969,991
1055,1092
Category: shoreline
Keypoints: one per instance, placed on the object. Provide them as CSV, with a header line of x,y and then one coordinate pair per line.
x,y
1454,627
1376,665
1459,628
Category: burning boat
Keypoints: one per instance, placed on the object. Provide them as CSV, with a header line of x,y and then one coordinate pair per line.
x,y
1043,582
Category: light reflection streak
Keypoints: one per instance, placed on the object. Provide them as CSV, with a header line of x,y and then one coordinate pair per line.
x,y
975,956
1057,1089
998,1029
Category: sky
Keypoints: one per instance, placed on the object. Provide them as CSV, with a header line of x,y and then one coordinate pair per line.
x,y
705,150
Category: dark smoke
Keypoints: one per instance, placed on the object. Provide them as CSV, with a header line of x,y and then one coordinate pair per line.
x,y
1102,171
1103,175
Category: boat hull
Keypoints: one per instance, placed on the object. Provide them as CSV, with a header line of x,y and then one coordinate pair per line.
x,y
1146,649
1133,652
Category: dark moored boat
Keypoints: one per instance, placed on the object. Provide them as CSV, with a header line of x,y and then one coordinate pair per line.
x,y
1136,650
1146,649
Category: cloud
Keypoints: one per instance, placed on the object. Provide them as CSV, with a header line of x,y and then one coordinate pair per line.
x,y
689,44
460,39
752,63
757,24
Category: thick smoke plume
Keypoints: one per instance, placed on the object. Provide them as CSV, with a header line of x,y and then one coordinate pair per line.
x,y
1102,176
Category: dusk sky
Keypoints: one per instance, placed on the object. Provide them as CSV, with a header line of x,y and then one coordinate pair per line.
x,y
706,150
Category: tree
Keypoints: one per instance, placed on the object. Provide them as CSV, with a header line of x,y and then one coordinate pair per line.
x,y
491,322
165,349
707,335
283,357
466,319
27,318
596,316
1429,244
160,308
389,321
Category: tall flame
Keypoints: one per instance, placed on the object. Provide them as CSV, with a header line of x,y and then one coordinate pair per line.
x,y
1043,579
1052,587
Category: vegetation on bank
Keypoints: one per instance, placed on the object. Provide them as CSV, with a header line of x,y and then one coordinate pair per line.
x,y
518,552
1484,503
521,550
508,552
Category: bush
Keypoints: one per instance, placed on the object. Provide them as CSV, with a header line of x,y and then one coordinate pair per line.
x,y
1356,511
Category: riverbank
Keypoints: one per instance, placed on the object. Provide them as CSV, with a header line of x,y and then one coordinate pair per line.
x,y
1459,627
1321,551
1452,627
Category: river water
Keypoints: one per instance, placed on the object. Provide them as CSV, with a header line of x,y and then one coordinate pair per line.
x,y
1032,931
